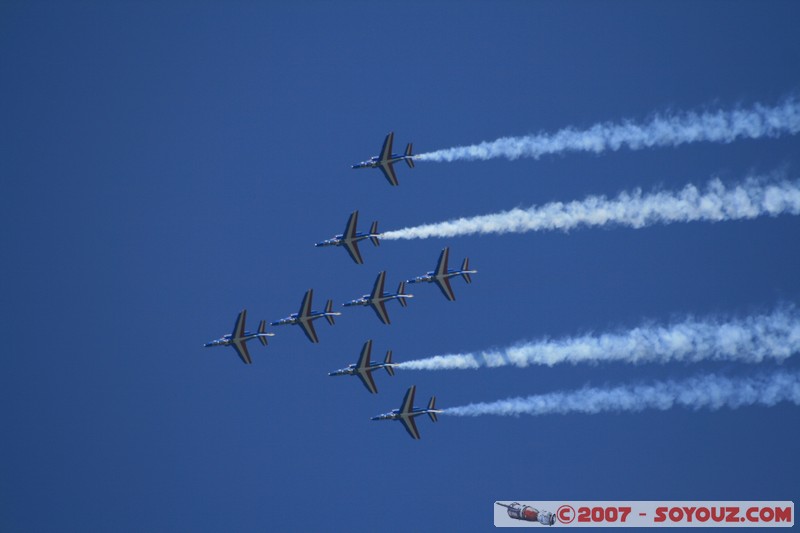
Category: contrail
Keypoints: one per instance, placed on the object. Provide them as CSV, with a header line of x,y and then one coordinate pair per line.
x,y
704,392
774,336
723,126
752,198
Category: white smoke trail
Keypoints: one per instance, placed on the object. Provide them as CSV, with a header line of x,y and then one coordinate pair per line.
x,y
753,198
774,336
704,392
721,127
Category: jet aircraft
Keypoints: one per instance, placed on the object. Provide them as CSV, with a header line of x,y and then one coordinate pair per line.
x,y
349,239
239,337
363,369
306,317
407,412
376,300
385,161
441,276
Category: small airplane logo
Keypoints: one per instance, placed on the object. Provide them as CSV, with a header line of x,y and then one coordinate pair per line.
x,y
239,337
377,298
349,239
441,276
306,317
407,412
530,514
363,369
386,160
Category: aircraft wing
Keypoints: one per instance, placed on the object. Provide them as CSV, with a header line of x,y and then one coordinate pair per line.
x,y
377,289
447,290
441,266
388,171
238,327
241,350
305,307
408,401
352,249
386,151
411,427
366,379
352,223
308,329
380,310
363,361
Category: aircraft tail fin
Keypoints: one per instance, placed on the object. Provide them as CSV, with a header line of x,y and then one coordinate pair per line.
x,y
388,361
401,290
262,328
431,407
409,160
328,311
465,266
373,232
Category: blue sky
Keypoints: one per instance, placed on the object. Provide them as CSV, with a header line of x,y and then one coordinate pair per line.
x,y
165,166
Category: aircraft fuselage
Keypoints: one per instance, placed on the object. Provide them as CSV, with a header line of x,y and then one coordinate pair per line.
x,y
289,320
368,300
375,161
295,319
349,371
227,340
430,277
396,414
364,300
339,240
352,370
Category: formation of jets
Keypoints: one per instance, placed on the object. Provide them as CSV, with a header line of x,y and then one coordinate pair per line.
x,y
376,300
